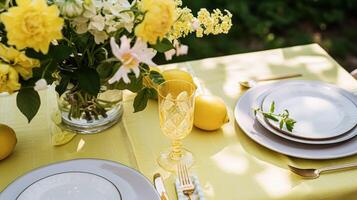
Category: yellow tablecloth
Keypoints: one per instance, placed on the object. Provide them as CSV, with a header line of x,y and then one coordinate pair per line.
x,y
229,164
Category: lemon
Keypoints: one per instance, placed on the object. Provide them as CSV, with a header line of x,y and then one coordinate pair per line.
x,y
111,95
8,141
60,137
153,68
177,74
210,112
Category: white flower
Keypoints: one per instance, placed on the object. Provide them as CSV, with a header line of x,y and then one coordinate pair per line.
x,y
130,57
180,49
40,85
99,36
116,17
195,24
169,54
70,8
101,18
97,23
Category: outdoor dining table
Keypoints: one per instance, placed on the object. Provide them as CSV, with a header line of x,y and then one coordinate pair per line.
x,y
228,163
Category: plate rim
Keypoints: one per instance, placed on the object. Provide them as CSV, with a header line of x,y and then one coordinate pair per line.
x,y
17,179
277,149
305,84
291,137
82,172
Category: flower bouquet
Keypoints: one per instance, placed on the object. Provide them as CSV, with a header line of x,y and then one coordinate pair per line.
x,y
86,47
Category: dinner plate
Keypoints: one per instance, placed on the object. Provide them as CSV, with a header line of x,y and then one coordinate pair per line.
x,y
81,179
72,185
258,102
253,129
321,111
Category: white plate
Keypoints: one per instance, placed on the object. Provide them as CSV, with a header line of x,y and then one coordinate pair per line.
x,y
103,179
258,102
253,129
72,185
321,111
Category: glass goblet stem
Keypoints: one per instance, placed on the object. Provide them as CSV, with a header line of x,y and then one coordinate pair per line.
x,y
176,153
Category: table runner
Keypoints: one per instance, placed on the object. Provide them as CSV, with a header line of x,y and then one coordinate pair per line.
x,y
34,148
228,163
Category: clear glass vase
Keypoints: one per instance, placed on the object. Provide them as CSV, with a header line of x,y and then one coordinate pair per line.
x,y
86,114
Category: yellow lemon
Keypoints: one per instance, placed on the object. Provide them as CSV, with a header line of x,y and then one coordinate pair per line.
x,y
177,74
7,141
111,95
210,112
153,68
60,137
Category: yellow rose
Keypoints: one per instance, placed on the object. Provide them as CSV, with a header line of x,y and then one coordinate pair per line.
x,y
158,20
9,79
21,63
32,23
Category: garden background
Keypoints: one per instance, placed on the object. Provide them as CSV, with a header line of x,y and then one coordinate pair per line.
x,y
266,24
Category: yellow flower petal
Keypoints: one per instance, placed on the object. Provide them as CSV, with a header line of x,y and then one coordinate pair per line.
x,y
32,24
158,20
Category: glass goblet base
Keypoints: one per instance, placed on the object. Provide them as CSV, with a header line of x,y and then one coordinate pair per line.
x,y
169,162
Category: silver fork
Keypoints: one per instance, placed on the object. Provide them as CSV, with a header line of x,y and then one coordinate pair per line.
x,y
185,180
315,173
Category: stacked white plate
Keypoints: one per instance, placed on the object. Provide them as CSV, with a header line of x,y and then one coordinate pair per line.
x,y
326,119
81,179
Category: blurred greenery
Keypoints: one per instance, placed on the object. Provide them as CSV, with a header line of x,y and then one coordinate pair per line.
x,y
259,25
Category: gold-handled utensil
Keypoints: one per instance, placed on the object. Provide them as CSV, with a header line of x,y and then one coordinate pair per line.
x,y
160,188
185,180
252,82
315,173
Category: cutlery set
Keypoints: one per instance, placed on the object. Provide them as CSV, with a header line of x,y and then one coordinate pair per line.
x,y
187,186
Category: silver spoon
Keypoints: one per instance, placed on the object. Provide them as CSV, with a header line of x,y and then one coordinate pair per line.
x,y
315,173
253,82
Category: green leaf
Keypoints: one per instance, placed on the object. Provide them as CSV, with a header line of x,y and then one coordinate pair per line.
x,y
289,126
163,45
156,77
89,80
105,69
272,107
281,124
141,99
62,87
48,67
145,67
34,54
152,93
28,101
135,84
289,123
60,52
270,116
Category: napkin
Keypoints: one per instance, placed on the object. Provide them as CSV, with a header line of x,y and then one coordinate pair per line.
x,y
197,194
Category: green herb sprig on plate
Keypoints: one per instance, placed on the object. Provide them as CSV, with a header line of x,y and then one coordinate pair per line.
x,y
282,118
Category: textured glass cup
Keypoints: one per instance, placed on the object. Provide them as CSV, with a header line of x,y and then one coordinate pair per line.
x,y
176,105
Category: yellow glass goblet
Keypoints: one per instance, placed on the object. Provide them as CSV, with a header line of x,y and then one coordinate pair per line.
x,y
176,106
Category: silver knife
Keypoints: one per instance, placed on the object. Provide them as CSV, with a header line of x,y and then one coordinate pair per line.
x,y
160,188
